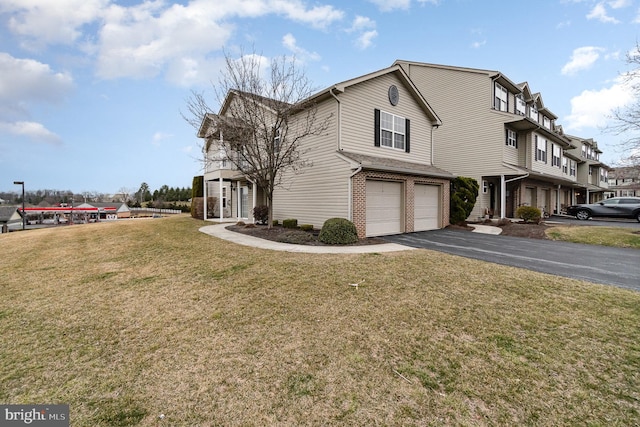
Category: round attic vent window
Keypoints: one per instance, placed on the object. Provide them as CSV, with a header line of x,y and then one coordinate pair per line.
x,y
394,96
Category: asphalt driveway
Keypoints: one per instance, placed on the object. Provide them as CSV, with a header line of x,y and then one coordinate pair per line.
x,y
597,264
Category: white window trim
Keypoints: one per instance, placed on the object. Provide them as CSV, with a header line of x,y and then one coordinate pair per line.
x,y
395,120
500,98
521,106
512,138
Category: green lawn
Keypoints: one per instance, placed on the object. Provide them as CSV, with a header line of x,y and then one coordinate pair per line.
x,y
129,320
597,235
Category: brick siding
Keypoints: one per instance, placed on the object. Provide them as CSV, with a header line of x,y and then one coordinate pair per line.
x,y
359,186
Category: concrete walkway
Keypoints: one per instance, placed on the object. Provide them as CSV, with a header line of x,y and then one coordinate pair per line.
x,y
485,229
220,231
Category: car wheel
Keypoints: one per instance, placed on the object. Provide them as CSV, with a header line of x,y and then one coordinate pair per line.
x,y
583,214
638,216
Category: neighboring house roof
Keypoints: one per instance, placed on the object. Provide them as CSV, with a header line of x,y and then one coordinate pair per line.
x,y
9,213
396,166
121,207
324,94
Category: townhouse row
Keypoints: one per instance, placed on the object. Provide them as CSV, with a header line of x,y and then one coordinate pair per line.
x,y
396,138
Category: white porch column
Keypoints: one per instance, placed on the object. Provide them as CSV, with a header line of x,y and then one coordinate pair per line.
x,y
221,210
255,199
558,208
204,191
503,197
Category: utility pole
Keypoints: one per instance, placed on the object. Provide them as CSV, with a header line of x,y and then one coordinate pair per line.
x,y
24,214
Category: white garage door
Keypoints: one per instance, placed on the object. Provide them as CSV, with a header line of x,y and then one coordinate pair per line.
x,y
384,208
427,207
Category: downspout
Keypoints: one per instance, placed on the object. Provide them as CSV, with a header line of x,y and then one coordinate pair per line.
x,y
349,184
503,192
339,118
432,144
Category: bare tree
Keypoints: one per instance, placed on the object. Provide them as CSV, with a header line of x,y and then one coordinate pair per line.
x,y
627,119
266,112
124,193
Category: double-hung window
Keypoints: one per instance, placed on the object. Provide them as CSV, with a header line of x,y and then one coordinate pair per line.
x,y
521,106
556,154
541,149
546,122
501,97
572,168
276,140
565,166
511,139
533,113
391,131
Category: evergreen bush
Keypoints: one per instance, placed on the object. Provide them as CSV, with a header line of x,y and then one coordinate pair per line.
x,y
306,227
338,231
290,223
529,213
261,214
464,192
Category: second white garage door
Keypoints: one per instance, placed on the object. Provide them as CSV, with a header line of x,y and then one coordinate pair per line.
x,y
384,208
427,207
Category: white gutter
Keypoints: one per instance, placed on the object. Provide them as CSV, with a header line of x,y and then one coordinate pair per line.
x,y
339,118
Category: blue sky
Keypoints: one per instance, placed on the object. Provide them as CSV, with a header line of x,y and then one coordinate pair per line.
x,y
91,91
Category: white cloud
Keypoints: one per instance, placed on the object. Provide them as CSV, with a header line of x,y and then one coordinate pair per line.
x,y
366,27
389,5
582,58
600,13
366,39
619,4
150,38
318,16
289,41
158,137
362,23
27,82
46,22
32,130
477,45
592,108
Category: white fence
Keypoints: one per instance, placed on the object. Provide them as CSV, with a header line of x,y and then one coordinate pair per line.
x,y
156,210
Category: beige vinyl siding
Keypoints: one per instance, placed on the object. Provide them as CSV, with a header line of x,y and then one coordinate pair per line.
x,y
510,154
320,191
539,166
471,137
358,103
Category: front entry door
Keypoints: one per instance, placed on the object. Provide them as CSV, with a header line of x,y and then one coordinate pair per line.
x,y
243,200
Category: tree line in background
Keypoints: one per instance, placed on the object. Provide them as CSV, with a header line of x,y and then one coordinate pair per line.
x,y
165,197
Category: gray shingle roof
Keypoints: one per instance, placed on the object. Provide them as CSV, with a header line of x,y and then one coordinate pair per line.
x,y
397,166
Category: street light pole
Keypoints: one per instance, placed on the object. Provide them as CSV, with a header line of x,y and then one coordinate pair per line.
x,y
24,214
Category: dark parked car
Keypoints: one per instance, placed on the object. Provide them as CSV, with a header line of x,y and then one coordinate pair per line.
x,y
616,207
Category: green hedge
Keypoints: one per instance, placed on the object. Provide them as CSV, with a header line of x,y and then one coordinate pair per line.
x,y
338,231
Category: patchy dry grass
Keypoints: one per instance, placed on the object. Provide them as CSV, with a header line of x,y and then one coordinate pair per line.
x,y
607,236
126,321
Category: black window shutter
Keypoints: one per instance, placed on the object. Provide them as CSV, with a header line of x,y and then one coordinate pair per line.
x,y
376,121
407,133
